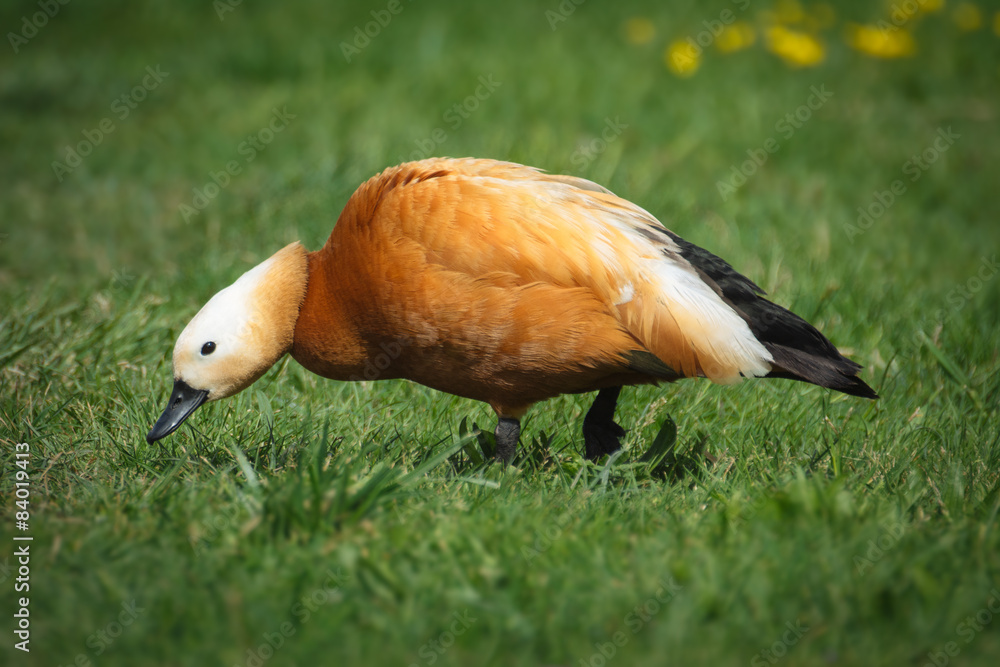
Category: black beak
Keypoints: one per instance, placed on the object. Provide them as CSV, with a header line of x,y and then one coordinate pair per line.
x,y
183,401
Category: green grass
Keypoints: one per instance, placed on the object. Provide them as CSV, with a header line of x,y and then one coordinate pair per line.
x,y
354,520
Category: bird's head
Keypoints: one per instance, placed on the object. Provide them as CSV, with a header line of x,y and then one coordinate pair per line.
x,y
240,333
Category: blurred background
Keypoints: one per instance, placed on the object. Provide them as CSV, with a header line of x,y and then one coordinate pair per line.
x,y
840,154
659,101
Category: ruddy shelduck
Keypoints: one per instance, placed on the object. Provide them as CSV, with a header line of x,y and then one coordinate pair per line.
x,y
501,283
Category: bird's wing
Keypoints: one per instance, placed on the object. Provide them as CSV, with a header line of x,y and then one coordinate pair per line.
x,y
482,217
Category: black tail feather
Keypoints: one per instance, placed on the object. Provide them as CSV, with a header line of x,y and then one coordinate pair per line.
x,y
826,372
800,351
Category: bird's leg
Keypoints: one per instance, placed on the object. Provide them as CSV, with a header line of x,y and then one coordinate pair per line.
x,y
601,434
507,434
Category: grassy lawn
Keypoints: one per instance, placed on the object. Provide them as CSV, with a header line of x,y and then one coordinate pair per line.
x,y
307,522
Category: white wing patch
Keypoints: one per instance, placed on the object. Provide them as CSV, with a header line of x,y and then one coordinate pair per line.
x,y
720,337
626,295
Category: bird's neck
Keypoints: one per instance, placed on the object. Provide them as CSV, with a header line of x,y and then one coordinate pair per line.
x,y
326,337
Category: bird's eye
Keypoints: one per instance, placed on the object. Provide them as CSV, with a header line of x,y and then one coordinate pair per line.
x,y
208,348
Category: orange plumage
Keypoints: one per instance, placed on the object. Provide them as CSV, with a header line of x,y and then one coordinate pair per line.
x,y
501,283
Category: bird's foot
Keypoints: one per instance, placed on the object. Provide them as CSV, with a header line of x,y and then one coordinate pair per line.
x,y
601,439
507,433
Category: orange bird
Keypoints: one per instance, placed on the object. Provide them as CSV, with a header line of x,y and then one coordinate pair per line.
x,y
501,283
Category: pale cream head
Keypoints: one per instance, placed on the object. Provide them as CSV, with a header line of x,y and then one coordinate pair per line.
x,y
244,329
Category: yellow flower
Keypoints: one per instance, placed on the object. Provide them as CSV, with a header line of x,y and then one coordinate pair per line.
x,y
967,17
682,58
798,49
881,42
639,31
929,6
996,24
735,37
